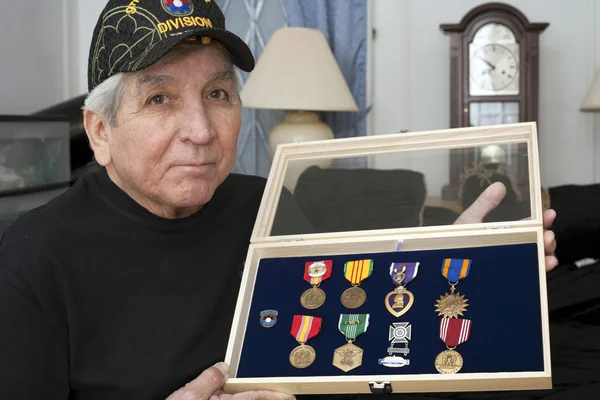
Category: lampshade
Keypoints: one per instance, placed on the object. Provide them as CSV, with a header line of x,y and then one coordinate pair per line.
x,y
298,71
591,103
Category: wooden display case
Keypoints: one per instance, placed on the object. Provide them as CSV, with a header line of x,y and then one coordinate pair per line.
x,y
508,346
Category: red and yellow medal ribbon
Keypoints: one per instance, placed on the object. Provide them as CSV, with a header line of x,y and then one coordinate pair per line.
x,y
305,327
317,271
356,271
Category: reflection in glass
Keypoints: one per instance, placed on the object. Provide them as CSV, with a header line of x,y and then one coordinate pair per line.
x,y
399,190
493,113
496,163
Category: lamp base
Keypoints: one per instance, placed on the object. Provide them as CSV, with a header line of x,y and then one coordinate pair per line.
x,y
297,127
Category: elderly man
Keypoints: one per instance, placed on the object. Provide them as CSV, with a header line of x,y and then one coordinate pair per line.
x,y
125,286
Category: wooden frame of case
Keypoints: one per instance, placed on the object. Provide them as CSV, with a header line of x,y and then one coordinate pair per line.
x,y
467,235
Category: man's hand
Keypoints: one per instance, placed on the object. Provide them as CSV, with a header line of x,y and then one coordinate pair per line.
x,y
490,199
208,386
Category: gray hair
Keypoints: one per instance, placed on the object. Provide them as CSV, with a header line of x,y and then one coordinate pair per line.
x,y
106,98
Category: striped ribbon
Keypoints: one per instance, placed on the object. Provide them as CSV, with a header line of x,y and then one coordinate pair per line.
x,y
353,325
356,271
312,266
305,327
455,269
454,331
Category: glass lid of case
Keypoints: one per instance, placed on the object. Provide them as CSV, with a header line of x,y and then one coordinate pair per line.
x,y
390,187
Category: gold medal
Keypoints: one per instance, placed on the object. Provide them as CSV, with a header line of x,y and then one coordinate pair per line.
x,y
353,297
453,330
448,362
356,272
349,356
302,356
304,327
315,273
451,305
312,298
400,300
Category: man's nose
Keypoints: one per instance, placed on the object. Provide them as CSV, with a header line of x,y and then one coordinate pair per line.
x,y
195,125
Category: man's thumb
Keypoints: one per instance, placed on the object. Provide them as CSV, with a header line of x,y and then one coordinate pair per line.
x,y
205,385
485,203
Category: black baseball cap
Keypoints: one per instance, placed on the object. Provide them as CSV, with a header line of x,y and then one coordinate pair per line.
x,y
133,34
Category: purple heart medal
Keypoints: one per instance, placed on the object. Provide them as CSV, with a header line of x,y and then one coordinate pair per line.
x,y
400,300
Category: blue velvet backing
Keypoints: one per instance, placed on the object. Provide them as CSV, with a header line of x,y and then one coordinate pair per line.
x,y
504,304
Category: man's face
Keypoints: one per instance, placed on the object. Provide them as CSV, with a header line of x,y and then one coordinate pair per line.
x,y
176,133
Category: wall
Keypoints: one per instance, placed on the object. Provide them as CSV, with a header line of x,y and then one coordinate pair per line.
x,y
409,73
34,69
410,76
45,56
84,15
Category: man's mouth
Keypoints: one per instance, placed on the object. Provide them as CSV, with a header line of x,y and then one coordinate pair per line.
x,y
197,165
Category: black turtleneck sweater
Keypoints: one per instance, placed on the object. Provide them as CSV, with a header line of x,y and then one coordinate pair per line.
x,y
100,299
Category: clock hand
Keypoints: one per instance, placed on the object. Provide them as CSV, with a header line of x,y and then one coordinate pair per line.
x,y
492,66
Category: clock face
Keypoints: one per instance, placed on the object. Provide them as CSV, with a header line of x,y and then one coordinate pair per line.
x,y
494,62
494,68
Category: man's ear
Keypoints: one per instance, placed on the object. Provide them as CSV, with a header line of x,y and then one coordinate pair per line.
x,y
96,129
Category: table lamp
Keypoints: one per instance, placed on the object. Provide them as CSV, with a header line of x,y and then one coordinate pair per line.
x,y
297,71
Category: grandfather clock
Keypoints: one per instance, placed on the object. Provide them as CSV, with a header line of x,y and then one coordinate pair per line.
x,y
494,79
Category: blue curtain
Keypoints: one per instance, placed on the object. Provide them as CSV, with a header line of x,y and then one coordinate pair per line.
x,y
344,24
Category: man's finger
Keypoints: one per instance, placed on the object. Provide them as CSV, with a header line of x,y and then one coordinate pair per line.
x,y
217,395
486,202
549,243
551,263
548,217
262,395
205,385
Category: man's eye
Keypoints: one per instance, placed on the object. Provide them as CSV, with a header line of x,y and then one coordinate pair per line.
x,y
219,94
158,100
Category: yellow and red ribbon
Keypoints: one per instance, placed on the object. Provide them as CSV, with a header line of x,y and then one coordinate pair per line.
x,y
357,271
305,327
315,279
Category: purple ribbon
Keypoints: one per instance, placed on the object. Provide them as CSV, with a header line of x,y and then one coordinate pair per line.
x,y
409,269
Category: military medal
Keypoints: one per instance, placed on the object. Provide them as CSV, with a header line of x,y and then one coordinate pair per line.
x,y
268,318
452,304
315,273
400,300
399,334
349,356
453,331
355,272
304,328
